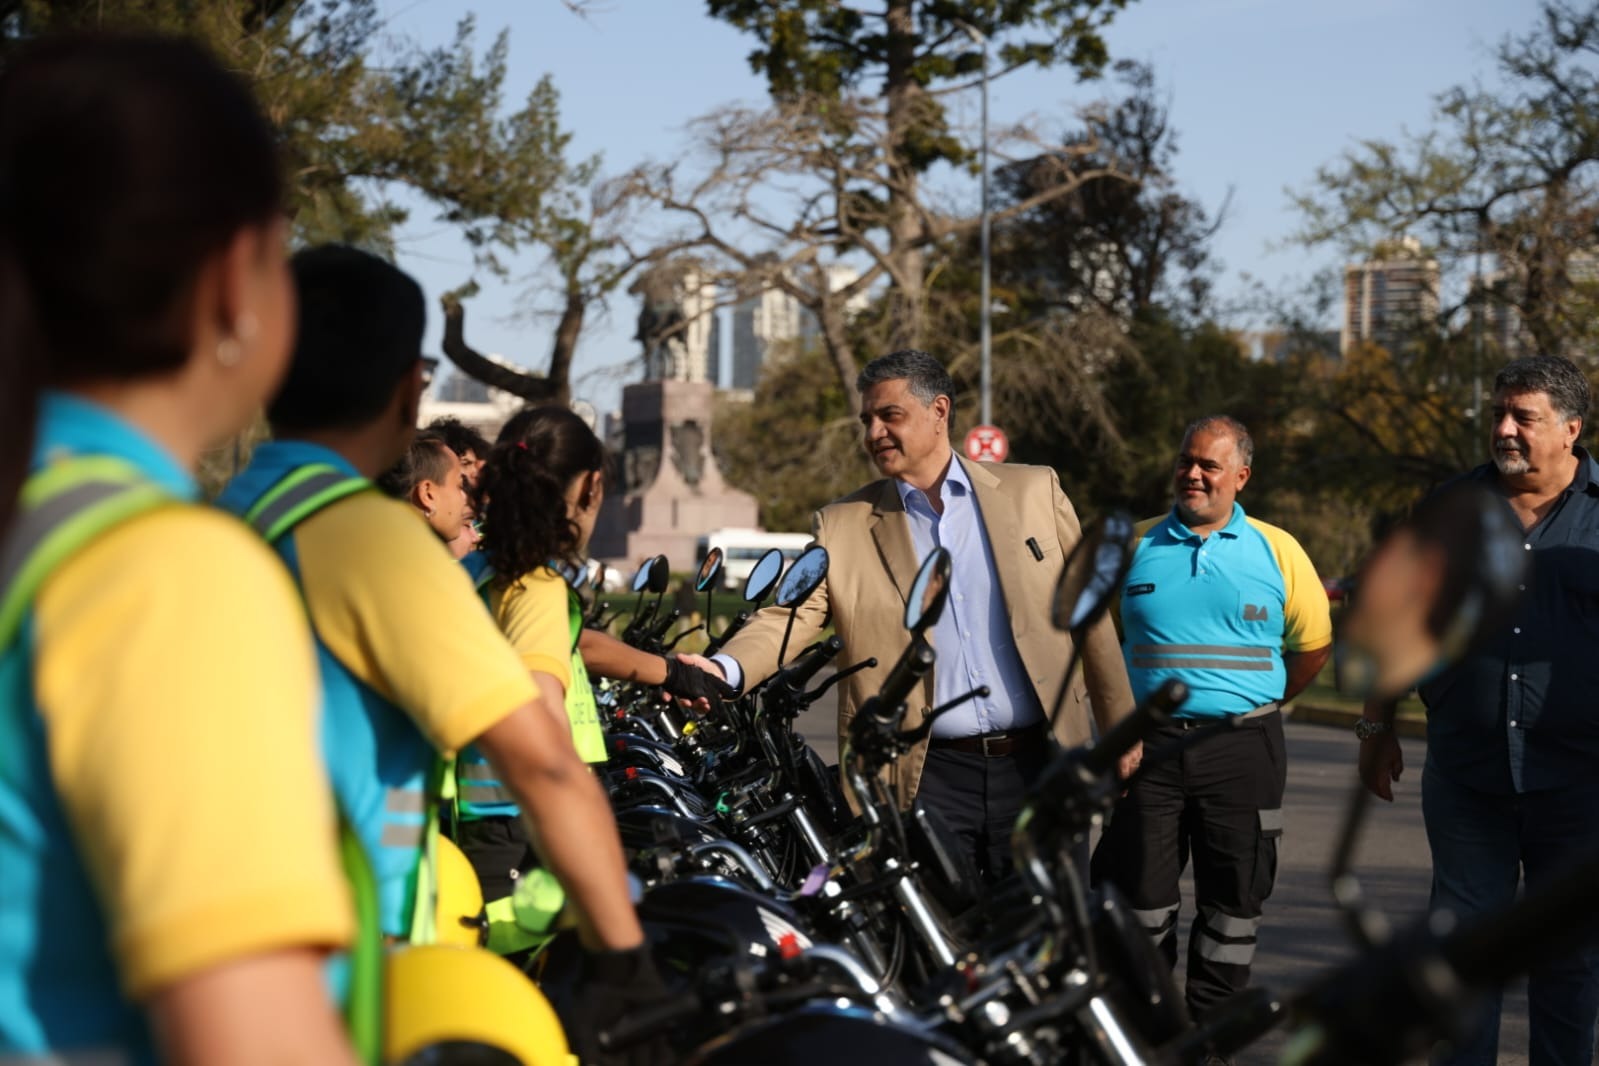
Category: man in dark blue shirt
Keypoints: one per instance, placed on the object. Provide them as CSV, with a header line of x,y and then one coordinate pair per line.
x,y
1510,789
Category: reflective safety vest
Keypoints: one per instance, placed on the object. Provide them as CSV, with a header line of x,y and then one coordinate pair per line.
x,y
479,792
382,768
59,996
528,917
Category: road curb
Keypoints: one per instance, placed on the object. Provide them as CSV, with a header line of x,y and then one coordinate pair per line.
x,y
1343,718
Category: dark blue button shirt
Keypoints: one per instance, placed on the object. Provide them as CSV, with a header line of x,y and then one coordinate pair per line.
x,y
1522,714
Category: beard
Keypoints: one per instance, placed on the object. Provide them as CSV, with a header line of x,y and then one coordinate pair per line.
x,y
1511,462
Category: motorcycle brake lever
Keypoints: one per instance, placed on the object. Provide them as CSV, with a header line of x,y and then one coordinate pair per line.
x,y
914,736
673,642
816,693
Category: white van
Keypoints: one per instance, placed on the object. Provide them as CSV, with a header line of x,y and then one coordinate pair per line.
x,y
741,548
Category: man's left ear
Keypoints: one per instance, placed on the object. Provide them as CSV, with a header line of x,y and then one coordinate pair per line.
x,y
422,497
1243,477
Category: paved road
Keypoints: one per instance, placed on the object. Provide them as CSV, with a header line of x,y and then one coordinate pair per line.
x,y
1303,936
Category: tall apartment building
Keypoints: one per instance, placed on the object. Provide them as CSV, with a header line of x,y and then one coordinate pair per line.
x,y
774,317
1389,295
1494,311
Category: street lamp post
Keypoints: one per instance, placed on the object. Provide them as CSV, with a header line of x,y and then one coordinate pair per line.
x,y
987,378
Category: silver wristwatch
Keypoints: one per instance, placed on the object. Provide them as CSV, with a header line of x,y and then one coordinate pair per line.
x,y
1365,728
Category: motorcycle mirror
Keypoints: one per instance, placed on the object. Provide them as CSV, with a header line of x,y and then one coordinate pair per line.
x,y
1447,579
763,576
803,578
928,592
1089,580
574,575
641,580
710,570
1093,571
1434,588
660,574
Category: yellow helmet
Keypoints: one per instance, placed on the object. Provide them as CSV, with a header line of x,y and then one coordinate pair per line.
x,y
438,994
458,915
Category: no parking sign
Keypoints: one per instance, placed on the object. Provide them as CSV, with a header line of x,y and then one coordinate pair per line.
x,y
987,444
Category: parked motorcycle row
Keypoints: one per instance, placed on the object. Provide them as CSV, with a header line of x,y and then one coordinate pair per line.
x,y
797,912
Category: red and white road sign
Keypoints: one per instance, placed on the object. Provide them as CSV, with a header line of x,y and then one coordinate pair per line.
x,y
987,444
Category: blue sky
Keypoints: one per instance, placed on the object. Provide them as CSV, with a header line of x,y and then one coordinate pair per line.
x,y
1262,92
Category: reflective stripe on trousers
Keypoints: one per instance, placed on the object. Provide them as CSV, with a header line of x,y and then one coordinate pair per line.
x,y
1225,938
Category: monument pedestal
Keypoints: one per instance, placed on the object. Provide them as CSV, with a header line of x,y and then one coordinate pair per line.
x,y
674,492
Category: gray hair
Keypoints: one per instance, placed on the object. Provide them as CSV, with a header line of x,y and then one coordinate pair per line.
x,y
1565,385
1240,434
923,375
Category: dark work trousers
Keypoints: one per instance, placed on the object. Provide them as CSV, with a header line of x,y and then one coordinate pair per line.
x,y
1484,843
1214,791
499,851
978,796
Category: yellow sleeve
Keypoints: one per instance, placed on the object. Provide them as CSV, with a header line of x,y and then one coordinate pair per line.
x,y
1307,614
177,681
398,612
532,615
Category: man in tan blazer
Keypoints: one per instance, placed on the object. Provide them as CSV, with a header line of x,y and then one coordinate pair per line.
x,y
1008,529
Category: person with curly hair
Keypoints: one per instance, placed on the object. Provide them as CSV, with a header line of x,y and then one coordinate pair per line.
x,y
470,446
540,492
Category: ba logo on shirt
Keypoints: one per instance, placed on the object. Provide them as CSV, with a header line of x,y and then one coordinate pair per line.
x,y
1256,613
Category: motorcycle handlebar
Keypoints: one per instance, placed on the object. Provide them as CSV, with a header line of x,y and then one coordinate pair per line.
x,y
658,628
651,1018
1156,709
797,674
912,666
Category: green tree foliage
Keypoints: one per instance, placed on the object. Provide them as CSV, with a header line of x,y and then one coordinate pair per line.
x,y
1503,183
872,83
360,117
1506,171
366,120
1123,238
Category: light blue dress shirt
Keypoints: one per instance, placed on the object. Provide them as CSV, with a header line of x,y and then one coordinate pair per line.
x,y
973,637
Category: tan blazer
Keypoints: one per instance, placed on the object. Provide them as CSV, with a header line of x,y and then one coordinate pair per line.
x,y
872,563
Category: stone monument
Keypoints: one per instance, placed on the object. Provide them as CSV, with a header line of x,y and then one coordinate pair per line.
x,y
671,492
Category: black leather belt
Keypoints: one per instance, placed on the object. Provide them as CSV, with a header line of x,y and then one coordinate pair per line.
x,y
1265,710
992,745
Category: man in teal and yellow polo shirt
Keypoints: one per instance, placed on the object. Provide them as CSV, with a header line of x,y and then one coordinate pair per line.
x,y
1231,607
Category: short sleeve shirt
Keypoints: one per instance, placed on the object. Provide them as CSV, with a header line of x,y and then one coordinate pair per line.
x,y
1218,612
